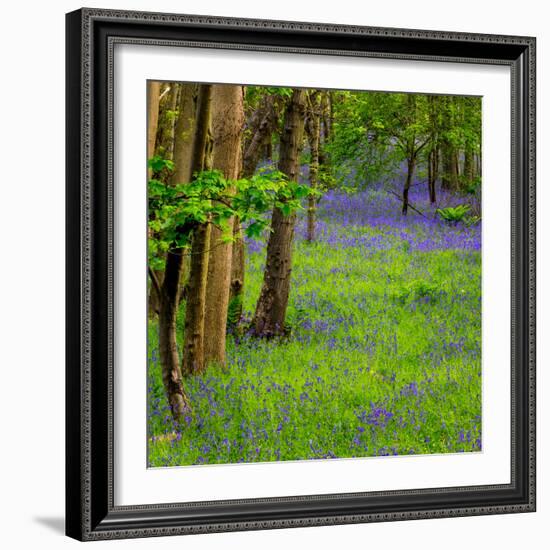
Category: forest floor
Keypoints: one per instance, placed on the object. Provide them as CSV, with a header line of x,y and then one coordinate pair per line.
x,y
383,358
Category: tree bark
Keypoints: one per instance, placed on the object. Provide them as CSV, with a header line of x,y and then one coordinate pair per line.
x,y
313,128
170,282
169,358
227,127
153,94
153,306
410,172
432,173
449,177
269,317
183,134
193,350
469,165
236,288
262,126
164,144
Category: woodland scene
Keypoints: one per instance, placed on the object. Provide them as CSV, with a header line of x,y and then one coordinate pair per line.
x,y
314,273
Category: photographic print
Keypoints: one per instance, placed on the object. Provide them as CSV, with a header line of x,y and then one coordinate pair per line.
x,y
314,274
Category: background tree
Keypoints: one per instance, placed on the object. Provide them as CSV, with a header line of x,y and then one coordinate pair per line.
x,y
262,107
269,317
313,131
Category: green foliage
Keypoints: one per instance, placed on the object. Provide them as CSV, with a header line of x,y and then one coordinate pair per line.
x,y
158,163
375,131
454,214
234,310
420,289
177,210
472,187
471,220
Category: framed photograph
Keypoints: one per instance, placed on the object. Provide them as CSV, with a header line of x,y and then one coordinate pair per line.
x,y
300,274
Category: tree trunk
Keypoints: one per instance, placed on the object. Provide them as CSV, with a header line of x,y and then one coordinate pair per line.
x,y
449,177
193,350
153,306
183,134
227,127
153,94
469,165
170,282
169,358
180,149
164,143
236,288
432,173
262,126
408,181
269,318
313,132
161,143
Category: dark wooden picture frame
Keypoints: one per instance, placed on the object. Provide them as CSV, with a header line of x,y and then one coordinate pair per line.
x,y
90,510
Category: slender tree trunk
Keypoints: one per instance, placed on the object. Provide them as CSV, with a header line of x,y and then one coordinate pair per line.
x,y
179,146
227,127
268,148
236,288
193,350
262,125
164,143
410,173
434,106
169,358
468,165
170,281
153,94
269,318
153,306
313,132
449,177
432,173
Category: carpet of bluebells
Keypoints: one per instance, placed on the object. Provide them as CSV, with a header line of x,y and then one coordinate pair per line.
x,y
383,357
